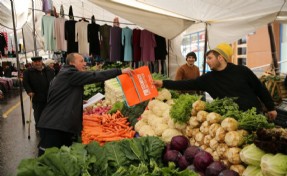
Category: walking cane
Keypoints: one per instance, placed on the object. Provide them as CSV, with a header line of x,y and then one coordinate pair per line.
x,y
30,114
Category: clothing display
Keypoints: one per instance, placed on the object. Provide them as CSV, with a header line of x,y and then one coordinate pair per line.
x,y
136,38
81,37
104,41
147,44
47,6
48,23
234,81
115,44
3,43
127,43
93,39
72,45
160,49
59,30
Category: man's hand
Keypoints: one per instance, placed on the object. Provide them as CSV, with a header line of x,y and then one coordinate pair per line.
x,y
272,115
126,70
157,83
31,94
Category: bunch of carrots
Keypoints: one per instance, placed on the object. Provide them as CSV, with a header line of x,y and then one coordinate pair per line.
x,y
106,127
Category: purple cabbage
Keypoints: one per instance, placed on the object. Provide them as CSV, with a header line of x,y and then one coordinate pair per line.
x,y
190,153
214,168
179,143
171,156
182,163
201,160
228,172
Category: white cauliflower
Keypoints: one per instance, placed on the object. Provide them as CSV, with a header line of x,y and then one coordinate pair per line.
x,y
151,118
164,94
139,124
213,144
199,105
155,122
165,116
222,149
146,130
159,107
160,129
180,126
170,102
145,115
169,133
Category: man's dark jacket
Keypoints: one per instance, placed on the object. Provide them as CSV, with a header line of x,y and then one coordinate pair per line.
x,y
38,82
64,110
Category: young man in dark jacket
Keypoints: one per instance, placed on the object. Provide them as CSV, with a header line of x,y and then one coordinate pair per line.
x,y
62,118
228,80
36,81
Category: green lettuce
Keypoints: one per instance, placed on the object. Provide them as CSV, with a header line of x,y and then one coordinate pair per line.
x,y
275,165
251,155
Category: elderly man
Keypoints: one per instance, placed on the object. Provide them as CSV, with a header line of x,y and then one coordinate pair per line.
x,y
36,81
62,118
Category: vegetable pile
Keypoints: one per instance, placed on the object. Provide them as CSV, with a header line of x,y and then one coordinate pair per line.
x,y
128,157
261,163
106,127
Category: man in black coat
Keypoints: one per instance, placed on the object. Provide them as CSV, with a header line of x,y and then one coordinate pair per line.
x,y
36,81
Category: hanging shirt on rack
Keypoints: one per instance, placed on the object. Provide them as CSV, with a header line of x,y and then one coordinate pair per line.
x,y
3,43
48,32
59,28
93,39
47,6
72,45
82,37
160,49
115,44
104,41
136,45
127,43
147,44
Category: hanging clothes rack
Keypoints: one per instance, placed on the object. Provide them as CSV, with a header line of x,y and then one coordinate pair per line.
x,y
106,21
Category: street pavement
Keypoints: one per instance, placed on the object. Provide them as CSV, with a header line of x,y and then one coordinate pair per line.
x,y
14,142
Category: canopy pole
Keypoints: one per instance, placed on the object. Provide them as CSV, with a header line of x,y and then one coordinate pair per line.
x,y
273,48
34,29
168,45
24,46
205,50
18,63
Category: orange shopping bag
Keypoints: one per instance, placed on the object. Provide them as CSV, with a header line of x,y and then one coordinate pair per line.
x,y
137,86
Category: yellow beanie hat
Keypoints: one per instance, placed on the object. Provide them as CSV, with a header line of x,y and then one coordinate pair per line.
x,y
225,50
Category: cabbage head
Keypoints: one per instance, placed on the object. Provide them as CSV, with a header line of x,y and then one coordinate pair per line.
x,y
275,165
251,155
251,171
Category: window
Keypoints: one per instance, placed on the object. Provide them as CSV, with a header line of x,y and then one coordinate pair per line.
x,y
242,41
241,51
241,61
195,42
